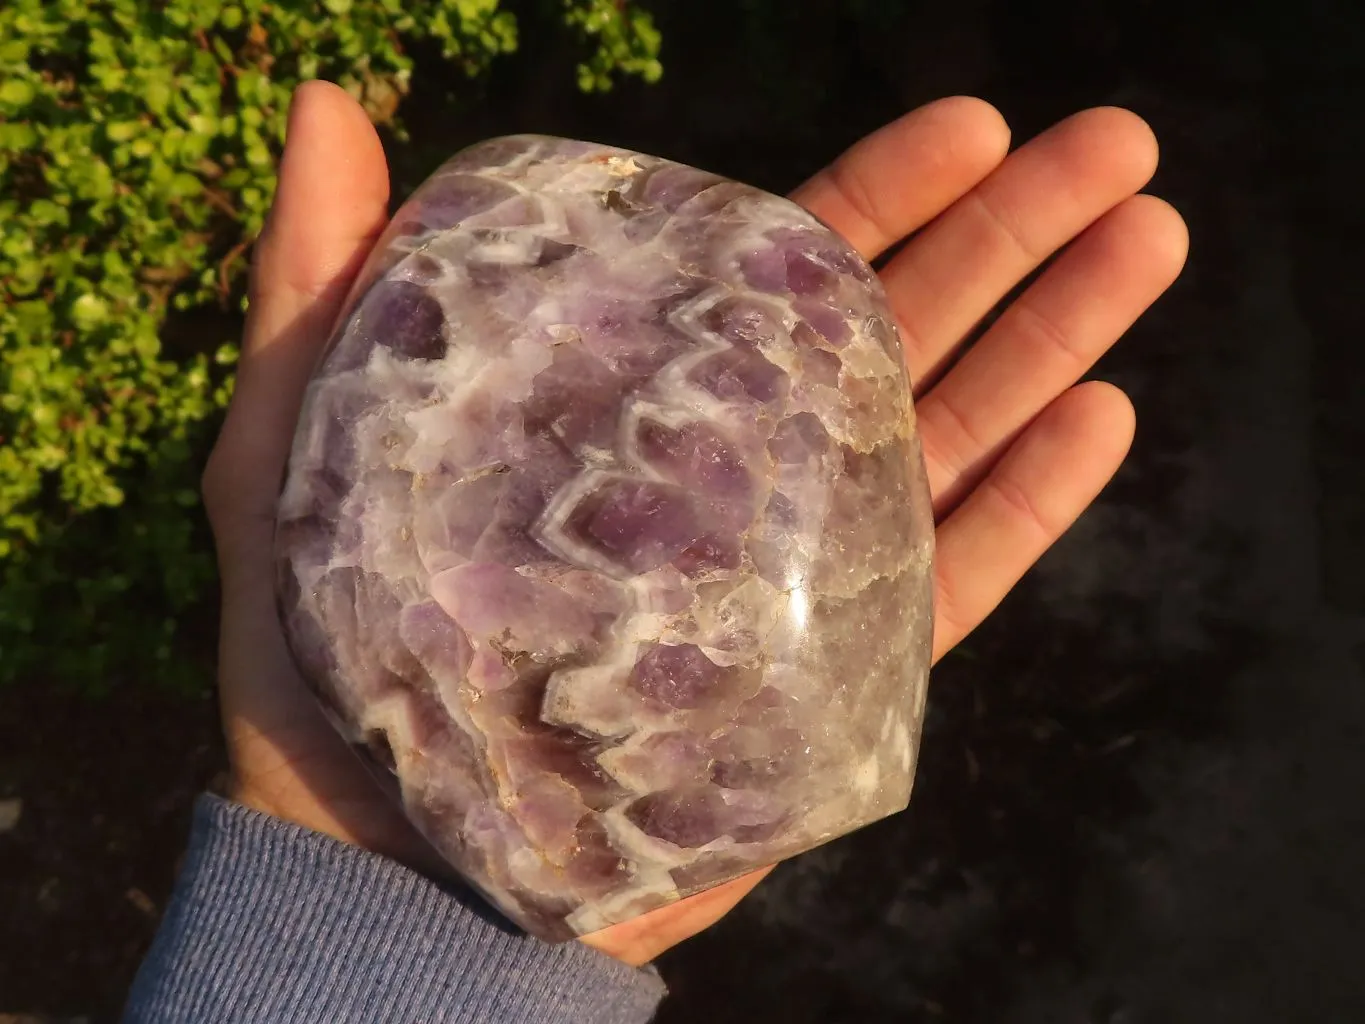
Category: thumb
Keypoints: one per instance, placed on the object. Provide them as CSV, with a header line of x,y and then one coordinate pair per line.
x,y
330,206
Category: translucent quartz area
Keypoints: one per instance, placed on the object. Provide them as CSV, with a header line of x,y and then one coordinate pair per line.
x,y
606,536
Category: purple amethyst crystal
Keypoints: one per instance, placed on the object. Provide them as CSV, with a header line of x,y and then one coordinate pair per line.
x,y
606,534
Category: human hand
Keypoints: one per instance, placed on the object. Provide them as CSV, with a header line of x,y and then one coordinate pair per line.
x,y
1015,449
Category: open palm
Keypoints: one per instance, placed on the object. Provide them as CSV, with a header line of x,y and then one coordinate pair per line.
x,y
1015,448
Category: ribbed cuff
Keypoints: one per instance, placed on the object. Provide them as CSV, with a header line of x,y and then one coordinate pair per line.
x,y
273,922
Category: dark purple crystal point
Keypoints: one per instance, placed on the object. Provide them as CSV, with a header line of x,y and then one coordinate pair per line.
x,y
606,531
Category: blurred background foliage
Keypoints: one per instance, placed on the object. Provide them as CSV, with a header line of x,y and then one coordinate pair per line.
x,y
138,144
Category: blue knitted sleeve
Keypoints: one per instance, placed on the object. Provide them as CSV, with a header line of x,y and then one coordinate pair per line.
x,y
270,922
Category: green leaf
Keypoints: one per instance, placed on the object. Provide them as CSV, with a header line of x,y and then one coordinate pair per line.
x,y
15,138
183,185
89,311
158,96
45,212
16,92
14,51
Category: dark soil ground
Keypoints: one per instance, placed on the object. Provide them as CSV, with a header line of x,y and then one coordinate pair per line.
x,y
1140,791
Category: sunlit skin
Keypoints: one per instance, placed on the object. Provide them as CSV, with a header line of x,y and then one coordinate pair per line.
x,y
1015,447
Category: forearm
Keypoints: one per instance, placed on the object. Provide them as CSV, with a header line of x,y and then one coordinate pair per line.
x,y
272,922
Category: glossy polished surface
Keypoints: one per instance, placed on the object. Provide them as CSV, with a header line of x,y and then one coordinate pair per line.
x,y
606,533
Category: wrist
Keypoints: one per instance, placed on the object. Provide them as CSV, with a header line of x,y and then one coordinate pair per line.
x,y
368,820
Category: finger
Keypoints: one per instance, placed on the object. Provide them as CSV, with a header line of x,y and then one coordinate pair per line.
x,y
1043,195
332,200
329,207
903,175
643,938
1044,482
1046,341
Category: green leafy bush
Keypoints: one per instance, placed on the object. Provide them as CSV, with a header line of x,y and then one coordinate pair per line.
x,y
138,141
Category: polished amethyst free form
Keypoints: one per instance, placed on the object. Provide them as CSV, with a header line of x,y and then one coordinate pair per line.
x,y
606,535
